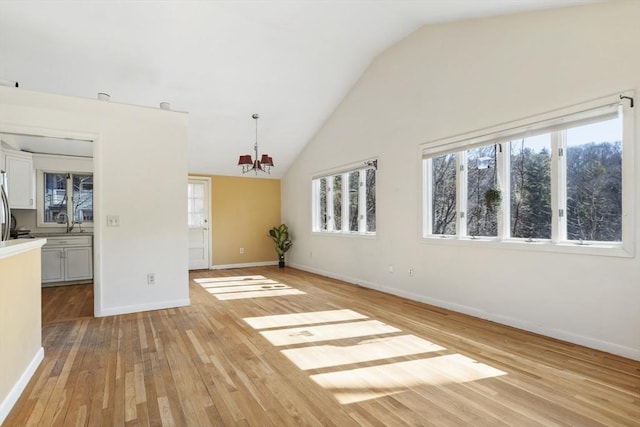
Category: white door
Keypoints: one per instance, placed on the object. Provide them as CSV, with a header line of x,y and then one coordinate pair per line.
x,y
198,218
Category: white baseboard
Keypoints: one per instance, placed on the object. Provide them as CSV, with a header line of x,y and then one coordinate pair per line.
x,y
19,386
142,307
609,347
243,265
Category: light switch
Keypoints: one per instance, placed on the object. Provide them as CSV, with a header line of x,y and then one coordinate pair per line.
x,y
113,220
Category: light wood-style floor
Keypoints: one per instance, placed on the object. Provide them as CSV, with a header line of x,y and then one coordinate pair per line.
x,y
302,349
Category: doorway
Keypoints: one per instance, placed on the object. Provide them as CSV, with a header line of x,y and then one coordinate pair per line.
x,y
59,180
198,218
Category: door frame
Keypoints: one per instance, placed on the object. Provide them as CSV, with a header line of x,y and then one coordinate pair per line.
x,y
207,181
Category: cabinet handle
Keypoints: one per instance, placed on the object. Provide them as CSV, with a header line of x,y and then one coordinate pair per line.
x,y
30,202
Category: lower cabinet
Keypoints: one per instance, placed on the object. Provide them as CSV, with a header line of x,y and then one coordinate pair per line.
x,y
68,259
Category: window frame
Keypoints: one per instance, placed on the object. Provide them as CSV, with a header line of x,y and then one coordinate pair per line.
x,y
552,122
40,205
329,177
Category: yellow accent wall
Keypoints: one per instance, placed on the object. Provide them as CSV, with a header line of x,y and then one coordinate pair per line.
x,y
20,326
242,212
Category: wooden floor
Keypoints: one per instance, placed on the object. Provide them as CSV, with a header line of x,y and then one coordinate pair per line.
x,y
301,349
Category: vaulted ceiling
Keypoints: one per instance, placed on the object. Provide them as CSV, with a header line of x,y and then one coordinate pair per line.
x,y
292,61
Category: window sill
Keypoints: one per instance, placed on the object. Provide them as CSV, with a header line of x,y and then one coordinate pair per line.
x,y
598,249
348,235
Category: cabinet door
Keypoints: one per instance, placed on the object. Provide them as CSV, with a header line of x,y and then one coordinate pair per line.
x,y
52,265
78,263
20,180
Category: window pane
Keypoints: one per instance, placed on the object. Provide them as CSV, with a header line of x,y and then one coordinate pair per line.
x,y
55,196
371,200
443,182
323,204
82,198
482,209
531,187
195,206
337,202
354,186
594,182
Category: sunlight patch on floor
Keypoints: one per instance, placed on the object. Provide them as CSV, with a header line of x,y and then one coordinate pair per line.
x,y
356,385
258,294
260,287
293,319
367,382
227,279
327,332
325,356
239,283
242,287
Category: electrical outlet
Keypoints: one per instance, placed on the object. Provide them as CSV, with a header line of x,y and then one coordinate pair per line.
x,y
151,279
241,250
410,271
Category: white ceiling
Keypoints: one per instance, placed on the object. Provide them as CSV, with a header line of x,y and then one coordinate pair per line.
x,y
291,61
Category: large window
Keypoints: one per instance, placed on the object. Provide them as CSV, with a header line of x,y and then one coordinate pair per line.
x,y
68,197
345,202
559,180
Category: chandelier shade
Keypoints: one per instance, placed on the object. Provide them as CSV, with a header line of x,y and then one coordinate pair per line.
x,y
248,163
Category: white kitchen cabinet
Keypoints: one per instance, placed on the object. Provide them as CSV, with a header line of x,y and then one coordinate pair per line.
x,y
52,264
67,260
20,179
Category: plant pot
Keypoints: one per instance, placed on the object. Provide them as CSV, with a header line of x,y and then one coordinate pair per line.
x,y
281,263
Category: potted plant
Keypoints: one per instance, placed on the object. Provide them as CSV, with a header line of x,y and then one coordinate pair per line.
x,y
493,198
280,237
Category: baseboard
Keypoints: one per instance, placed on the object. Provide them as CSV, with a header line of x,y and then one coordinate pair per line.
x,y
609,347
243,265
142,307
19,386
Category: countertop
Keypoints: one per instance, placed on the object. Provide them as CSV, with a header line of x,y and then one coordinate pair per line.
x,y
45,235
10,248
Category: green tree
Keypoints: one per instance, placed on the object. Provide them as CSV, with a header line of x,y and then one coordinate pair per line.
x,y
594,191
444,194
530,192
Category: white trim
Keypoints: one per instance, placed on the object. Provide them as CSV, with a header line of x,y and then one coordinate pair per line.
x,y
17,389
350,234
243,265
136,308
567,247
560,334
11,248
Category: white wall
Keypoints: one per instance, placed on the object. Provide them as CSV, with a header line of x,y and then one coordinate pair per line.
x,y
454,78
140,174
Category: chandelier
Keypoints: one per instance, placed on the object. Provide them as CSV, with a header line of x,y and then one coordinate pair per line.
x,y
248,164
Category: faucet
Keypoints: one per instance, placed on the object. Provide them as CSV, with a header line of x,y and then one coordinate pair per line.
x,y
63,218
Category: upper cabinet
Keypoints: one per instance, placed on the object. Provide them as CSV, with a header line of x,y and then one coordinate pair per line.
x,y
20,179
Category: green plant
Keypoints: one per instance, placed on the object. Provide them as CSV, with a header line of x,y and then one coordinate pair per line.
x,y
280,237
493,198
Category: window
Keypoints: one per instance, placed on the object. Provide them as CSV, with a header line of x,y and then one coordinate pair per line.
x,y
195,205
345,202
67,195
555,180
